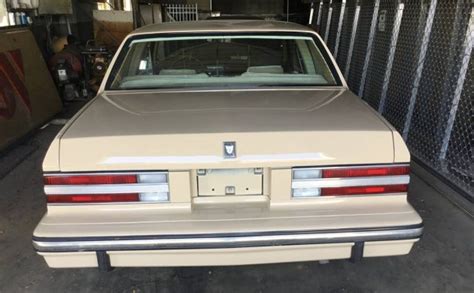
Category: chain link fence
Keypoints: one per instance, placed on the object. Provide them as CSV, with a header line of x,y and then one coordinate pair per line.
x,y
411,60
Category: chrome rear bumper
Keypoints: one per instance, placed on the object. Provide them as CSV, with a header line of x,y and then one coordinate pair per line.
x,y
230,240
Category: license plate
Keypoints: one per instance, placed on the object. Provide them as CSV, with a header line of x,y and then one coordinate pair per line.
x,y
228,182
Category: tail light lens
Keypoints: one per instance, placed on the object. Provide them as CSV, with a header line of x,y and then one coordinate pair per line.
x,y
89,179
90,198
107,188
360,180
365,172
364,189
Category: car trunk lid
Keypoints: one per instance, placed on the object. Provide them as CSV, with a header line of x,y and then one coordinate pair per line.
x,y
175,130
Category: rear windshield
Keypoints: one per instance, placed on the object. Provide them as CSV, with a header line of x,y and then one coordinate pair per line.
x,y
220,61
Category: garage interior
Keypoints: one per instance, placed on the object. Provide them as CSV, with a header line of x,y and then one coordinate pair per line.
x,y
408,59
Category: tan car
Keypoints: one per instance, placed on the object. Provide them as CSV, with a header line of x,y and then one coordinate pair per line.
x,y
224,143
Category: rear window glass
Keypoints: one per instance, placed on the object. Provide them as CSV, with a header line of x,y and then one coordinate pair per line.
x,y
220,61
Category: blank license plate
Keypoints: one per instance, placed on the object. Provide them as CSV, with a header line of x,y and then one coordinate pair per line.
x,y
219,182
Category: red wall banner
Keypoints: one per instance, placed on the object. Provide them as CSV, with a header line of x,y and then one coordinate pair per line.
x,y
12,83
28,97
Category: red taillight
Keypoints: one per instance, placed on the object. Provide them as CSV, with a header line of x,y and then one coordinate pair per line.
x,y
366,172
90,179
95,198
364,190
107,187
357,180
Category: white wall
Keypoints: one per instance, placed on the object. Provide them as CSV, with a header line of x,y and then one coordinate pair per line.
x,y
3,13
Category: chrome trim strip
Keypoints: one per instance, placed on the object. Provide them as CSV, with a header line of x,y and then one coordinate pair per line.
x,y
350,181
230,241
106,188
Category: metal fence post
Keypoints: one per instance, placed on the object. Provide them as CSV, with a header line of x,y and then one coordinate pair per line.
x,y
391,55
355,24
328,22
311,13
369,47
318,19
419,68
339,27
468,43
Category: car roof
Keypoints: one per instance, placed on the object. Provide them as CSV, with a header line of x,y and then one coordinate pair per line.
x,y
221,25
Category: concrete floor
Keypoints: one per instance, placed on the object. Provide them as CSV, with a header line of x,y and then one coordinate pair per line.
x,y
442,262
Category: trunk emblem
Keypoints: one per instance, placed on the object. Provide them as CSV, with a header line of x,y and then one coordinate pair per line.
x,y
230,151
